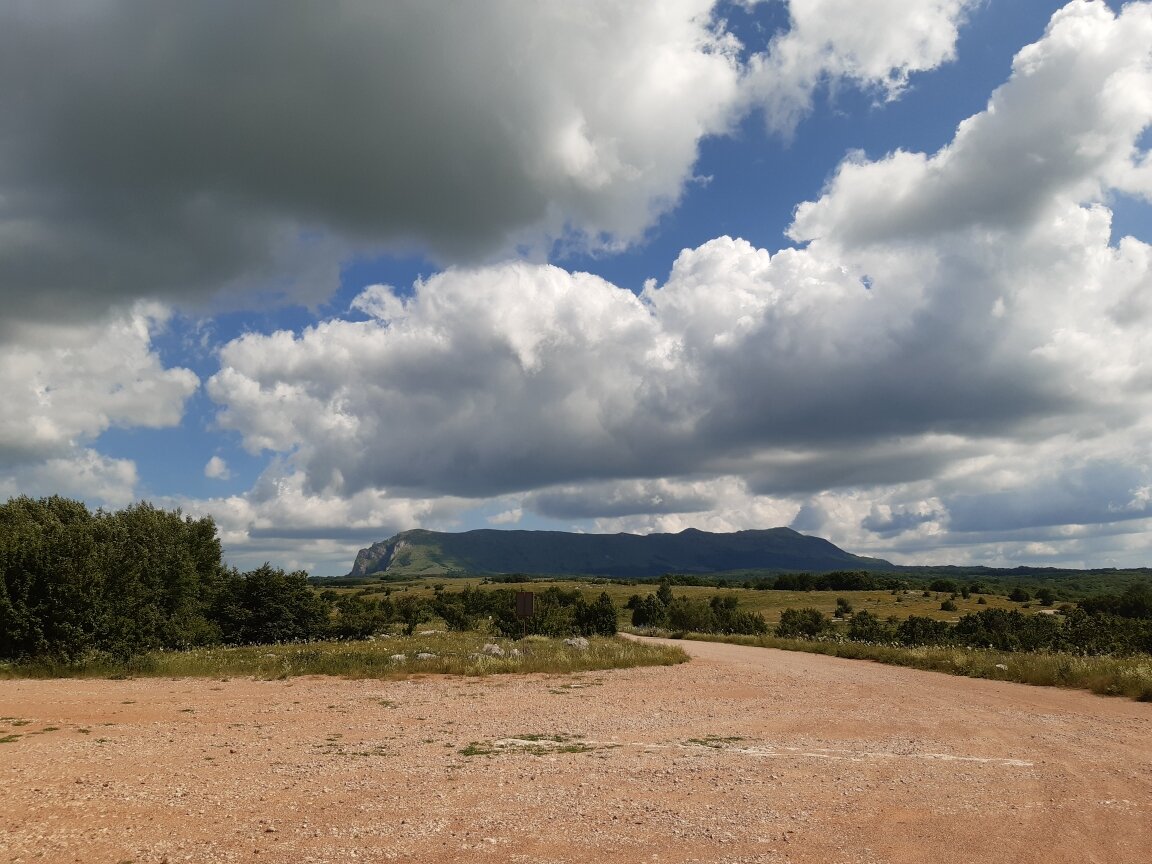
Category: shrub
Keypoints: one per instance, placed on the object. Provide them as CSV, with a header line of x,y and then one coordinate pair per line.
x,y
597,619
267,605
649,612
690,616
920,630
866,627
802,624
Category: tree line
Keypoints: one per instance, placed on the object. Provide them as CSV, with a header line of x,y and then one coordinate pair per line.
x,y
720,614
74,581
1119,625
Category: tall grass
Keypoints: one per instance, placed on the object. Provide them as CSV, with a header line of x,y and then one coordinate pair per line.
x,y
453,654
1105,675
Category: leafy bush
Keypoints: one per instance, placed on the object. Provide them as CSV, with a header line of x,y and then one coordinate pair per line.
x,y
73,581
920,630
268,605
802,624
866,627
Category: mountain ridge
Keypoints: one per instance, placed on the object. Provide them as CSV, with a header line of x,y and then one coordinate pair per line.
x,y
491,551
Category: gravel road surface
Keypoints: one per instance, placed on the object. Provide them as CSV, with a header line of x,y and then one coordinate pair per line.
x,y
742,755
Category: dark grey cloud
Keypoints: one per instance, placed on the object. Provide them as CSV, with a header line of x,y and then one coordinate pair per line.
x,y
611,500
183,150
897,522
1097,492
366,535
829,468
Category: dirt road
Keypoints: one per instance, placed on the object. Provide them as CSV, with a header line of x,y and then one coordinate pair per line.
x,y
743,755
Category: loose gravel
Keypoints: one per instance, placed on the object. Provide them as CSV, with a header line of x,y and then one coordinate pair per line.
x,y
742,755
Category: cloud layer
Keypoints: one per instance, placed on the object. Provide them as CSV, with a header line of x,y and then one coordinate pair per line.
x,y
186,151
182,150
954,351
65,384
948,354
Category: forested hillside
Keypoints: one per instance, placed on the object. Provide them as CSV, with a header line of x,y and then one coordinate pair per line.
x,y
617,555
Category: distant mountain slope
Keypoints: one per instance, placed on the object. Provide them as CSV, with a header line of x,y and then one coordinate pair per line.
x,y
627,555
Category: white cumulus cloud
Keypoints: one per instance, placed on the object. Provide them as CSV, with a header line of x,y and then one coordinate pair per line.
x,y
64,384
873,44
880,385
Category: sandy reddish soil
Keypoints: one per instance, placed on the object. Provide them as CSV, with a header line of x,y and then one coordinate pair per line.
x,y
806,759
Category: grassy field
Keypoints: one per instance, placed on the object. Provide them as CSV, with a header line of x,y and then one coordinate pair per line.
x,y
768,603
388,657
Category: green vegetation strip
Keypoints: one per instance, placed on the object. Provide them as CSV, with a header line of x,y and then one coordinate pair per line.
x,y
396,657
1105,675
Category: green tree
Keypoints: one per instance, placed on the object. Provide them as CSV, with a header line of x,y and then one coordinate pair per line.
x,y
866,627
921,630
412,611
355,617
599,618
802,624
267,605
686,615
650,612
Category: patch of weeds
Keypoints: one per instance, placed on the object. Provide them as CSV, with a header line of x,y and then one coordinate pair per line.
x,y
14,722
574,747
8,739
128,702
533,744
572,686
387,703
541,744
716,742
337,748
187,710
84,731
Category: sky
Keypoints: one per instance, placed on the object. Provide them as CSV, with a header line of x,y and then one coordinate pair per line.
x,y
878,271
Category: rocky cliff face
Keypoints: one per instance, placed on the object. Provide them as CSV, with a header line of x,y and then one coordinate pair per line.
x,y
377,557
